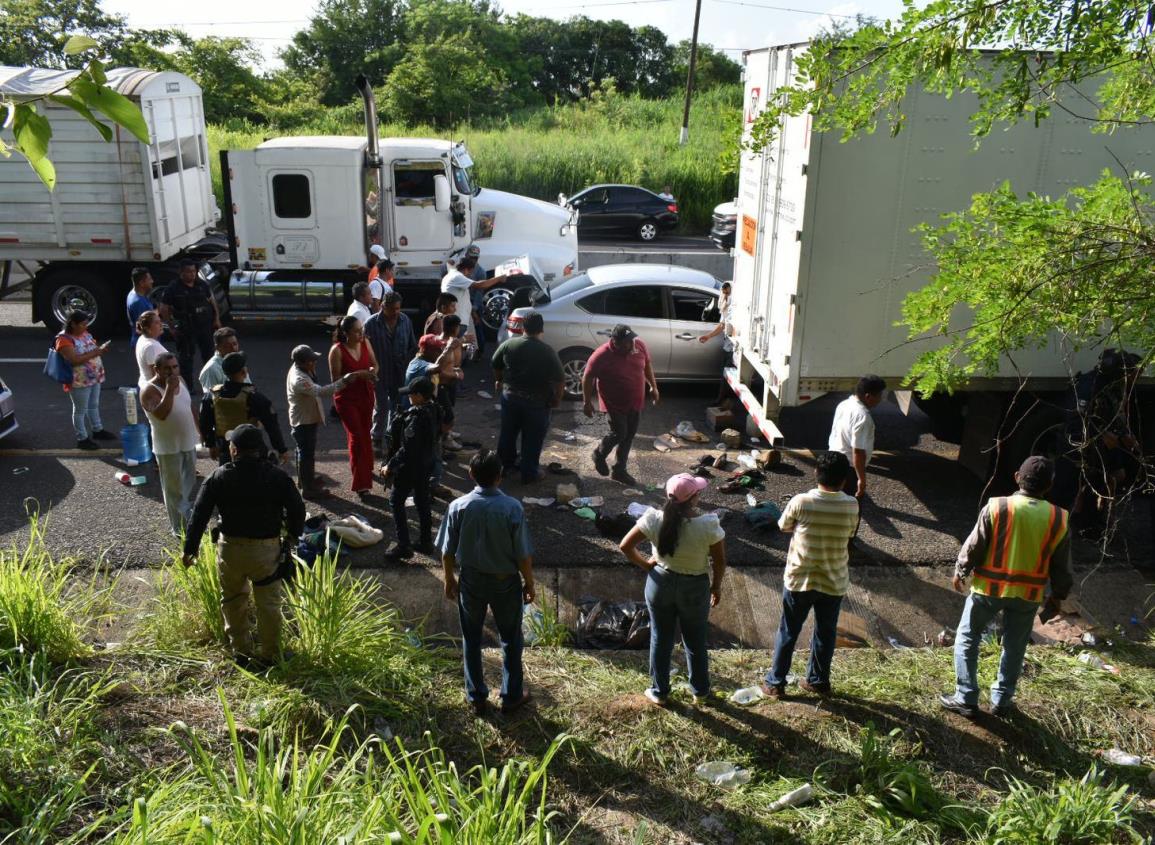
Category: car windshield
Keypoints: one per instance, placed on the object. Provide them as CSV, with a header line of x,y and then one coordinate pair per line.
x,y
580,282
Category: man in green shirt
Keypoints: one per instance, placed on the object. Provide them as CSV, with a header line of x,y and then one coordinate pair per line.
x,y
529,377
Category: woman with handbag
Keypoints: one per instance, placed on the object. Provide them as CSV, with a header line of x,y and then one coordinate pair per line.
x,y
351,353
77,347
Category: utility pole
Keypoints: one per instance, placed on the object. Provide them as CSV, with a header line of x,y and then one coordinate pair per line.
x,y
685,136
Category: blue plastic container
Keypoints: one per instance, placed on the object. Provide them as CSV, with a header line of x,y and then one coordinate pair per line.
x,y
135,440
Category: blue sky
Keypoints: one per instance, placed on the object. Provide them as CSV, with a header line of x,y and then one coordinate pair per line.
x,y
731,24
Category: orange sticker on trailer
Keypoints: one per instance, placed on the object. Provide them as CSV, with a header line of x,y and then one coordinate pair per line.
x,y
749,233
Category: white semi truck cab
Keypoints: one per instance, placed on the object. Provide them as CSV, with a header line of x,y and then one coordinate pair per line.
x,y
299,215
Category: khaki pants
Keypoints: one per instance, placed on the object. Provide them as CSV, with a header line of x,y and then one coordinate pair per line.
x,y
240,561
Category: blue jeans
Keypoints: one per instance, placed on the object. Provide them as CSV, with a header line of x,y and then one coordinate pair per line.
x,y
678,601
86,410
388,403
795,608
305,436
478,592
979,612
529,420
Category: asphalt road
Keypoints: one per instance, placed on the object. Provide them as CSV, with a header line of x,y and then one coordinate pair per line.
x,y
921,503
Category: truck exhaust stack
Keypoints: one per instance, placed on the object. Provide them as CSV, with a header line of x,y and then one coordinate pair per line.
x,y
373,158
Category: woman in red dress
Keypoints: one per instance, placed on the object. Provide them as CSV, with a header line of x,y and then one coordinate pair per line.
x,y
354,402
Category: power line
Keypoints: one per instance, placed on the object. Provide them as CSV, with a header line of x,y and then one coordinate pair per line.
x,y
784,9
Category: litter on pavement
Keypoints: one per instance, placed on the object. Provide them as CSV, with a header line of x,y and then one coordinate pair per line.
x,y
722,773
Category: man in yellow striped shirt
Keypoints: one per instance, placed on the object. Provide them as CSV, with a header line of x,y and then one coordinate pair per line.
x,y
822,522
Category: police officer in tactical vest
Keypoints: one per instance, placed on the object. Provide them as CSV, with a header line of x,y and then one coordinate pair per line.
x,y
258,504
234,403
189,308
1019,546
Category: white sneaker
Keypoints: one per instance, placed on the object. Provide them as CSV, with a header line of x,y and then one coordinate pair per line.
x,y
653,696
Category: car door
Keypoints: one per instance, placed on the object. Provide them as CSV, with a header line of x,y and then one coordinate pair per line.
x,y
641,307
693,313
593,207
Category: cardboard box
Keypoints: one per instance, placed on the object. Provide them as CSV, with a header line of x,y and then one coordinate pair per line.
x,y
718,419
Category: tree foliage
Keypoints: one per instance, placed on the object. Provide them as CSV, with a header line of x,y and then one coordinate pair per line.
x,y
1023,266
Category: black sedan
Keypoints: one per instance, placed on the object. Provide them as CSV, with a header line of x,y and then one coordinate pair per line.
x,y
623,210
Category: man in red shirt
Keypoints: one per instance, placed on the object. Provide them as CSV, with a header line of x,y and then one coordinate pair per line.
x,y
621,370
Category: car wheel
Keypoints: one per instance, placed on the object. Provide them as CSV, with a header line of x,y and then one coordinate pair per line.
x,y
573,365
648,231
62,293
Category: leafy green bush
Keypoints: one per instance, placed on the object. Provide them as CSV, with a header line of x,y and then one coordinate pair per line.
x,y
48,740
44,603
287,792
1070,812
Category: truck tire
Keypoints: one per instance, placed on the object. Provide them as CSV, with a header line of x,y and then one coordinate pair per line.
x,y
573,364
61,292
648,230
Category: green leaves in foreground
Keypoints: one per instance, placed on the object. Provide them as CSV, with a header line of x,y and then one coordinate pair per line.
x,y
286,792
88,95
1078,812
1024,270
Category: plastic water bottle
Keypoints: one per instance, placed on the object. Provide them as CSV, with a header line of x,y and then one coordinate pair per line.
x,y
123,477
723,774
747,695
134,440
793,798
1121,758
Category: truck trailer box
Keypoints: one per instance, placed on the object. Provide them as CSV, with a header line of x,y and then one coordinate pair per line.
x,y
826,248
120,200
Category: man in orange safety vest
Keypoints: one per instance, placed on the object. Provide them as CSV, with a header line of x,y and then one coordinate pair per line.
x,y
1019,545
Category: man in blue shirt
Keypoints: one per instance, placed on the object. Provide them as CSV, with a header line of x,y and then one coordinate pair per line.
x,y
485,536
138,300
390,333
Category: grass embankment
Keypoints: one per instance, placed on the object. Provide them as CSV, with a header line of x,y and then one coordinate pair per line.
x,y
364,735
543,152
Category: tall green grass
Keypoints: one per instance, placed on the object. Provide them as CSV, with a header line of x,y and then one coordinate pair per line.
x,y
285,792
45,603
186,607
543,152
1073,812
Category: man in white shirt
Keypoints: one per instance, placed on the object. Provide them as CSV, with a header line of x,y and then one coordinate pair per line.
x,y
381,281
212,373
459,282
175,434
853,431
361,306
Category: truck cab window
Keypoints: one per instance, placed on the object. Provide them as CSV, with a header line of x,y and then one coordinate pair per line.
x,y
291,199
694,306
413,181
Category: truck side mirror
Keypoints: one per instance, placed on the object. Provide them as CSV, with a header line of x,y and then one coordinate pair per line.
x,y
441,192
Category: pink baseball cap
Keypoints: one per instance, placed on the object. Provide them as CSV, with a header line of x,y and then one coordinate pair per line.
x,y
682,486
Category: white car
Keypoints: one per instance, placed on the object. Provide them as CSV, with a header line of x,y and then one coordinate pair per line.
x,y
669,307
7,411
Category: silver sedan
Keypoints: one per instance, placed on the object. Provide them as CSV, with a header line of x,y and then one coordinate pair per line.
x,y
669,307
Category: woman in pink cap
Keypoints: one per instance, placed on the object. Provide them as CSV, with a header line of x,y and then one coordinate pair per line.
x,y
679,590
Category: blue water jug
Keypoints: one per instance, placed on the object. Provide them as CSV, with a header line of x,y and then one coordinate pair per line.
x,y
135,440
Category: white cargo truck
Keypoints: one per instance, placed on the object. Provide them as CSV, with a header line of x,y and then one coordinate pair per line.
x,y
825,251
299,214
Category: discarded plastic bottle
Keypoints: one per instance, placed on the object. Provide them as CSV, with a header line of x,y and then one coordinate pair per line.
x,y
746,461
1121,758
751,500
1091,659
123,477
723,774
747,695
793,798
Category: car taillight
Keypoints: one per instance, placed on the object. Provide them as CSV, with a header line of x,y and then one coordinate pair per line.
x,y
672,207
513,324
568,271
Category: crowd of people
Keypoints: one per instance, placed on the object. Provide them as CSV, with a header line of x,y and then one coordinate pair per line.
x,y
395,393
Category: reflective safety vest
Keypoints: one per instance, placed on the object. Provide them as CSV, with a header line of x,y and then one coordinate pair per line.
x,y
231,411
1024,534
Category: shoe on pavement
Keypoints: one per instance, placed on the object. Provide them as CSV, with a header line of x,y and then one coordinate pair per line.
x,y
103,435
956,705
87,445
652,695
398,552
623,477
600,463
508,707
816,689
777,693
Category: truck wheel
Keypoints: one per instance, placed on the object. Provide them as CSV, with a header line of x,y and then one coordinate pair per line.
x,y
495,307
573,364
61,293
648,231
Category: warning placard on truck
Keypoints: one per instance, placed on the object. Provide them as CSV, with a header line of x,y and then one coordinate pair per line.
x,y
749,234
